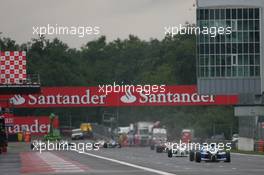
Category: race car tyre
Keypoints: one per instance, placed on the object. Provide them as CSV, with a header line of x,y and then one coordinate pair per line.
x,y
152,147
119,145
31,146
191,156
105,145
213,158
170,153
198,157
228,157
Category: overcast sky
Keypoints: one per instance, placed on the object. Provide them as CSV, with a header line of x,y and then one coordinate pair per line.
x,y
116,18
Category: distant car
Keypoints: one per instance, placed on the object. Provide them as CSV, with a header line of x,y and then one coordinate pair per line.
x,y
161,147
178,151
210,153
158,138
100,143
111,144
157,142
77,134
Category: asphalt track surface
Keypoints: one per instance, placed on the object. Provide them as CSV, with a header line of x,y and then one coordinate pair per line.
x,y
128,161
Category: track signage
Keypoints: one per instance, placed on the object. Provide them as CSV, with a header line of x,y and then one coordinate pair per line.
x,y
91,96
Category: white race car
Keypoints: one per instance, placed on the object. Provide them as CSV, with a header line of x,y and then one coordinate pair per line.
x,y
177,151
77,134
111,144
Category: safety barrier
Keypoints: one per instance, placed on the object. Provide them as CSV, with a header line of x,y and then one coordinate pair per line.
x,y
260,145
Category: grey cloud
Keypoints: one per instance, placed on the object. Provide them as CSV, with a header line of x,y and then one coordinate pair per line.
x,y
117,18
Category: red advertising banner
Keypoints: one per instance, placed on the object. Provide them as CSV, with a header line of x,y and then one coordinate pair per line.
x,y
36,125
4,102
9,119
97,96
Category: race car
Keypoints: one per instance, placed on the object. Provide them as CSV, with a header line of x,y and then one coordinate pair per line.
x,y
77,134
111,144
161,147
158,138
177,151
210,153
100,143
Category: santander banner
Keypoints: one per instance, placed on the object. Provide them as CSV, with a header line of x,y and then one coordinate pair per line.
x,y
92,96
36,125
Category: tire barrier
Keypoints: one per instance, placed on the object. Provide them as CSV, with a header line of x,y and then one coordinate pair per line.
x,y
260,145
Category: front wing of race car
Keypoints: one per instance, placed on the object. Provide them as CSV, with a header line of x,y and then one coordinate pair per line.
x,y
177,153
207,156
212,157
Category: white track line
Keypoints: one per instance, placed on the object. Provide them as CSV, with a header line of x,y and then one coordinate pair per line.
x,y
128,164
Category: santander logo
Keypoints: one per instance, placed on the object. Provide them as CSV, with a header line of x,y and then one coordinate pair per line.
x,y
58,99
17,100
128,97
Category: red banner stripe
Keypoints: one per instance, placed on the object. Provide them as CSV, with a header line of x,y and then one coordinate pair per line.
x,y
94,96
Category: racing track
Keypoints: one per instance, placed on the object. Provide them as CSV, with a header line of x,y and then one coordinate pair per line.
x,y
144,157
128,161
